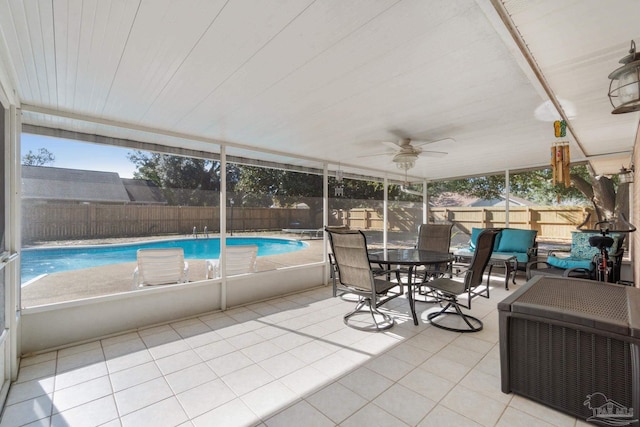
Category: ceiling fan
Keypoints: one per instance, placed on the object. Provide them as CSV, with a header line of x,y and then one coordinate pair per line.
x,y
405,153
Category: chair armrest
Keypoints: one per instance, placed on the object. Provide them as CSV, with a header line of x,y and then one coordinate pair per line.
x,y
531,264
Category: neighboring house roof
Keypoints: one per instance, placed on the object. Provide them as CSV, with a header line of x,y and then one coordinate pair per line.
x,y
451,199
143,191
75,185
501,201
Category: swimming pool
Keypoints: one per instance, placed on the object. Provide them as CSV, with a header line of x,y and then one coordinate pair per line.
x,y
38,261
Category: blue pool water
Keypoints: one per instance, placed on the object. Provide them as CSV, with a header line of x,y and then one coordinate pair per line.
x,y
38,261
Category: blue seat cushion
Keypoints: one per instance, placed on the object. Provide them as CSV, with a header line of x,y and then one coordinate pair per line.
x,y
569,262
522,257
516,240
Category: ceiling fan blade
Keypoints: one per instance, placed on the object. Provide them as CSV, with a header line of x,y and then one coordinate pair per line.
x,y
382,153
420,143
391,144
433,154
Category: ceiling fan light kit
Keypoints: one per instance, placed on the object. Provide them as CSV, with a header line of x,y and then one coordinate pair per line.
x,y
405,161
624,87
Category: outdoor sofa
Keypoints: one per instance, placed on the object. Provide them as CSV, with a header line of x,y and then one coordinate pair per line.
x,y
515,242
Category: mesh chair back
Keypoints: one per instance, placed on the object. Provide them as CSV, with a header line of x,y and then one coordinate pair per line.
x,y
434,237
350,252
481,256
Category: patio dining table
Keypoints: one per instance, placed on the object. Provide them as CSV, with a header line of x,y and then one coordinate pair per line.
x,y
410,258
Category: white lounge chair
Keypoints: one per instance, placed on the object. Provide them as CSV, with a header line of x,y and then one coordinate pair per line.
x,y
240,259
160,267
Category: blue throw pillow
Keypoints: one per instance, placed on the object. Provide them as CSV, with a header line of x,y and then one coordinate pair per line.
x,y
475,232
580,247
516,240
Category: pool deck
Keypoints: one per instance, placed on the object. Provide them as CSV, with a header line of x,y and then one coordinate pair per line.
x,y
118,278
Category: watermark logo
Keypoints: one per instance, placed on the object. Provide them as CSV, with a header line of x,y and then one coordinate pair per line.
x,y
607,411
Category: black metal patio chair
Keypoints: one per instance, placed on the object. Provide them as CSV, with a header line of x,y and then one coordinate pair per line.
x,y
354,274
448,290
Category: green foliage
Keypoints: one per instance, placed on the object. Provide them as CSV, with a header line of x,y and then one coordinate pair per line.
x,y
184,181
535,186
42,158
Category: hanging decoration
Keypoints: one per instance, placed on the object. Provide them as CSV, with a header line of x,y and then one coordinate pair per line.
x,y
560,155
339,188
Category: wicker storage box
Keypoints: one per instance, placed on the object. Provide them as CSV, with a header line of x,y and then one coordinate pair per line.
x,y
572,344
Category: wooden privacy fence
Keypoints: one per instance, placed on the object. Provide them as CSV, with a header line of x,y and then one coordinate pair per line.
x,y
552,222
60,221
53,221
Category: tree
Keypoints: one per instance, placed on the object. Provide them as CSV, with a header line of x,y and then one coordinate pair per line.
x,y
607,197
42,157
266,187
184,181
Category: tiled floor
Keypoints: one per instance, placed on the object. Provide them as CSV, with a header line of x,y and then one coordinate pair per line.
x,y
286,362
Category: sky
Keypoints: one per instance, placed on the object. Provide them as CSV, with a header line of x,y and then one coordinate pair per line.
x,y
81,155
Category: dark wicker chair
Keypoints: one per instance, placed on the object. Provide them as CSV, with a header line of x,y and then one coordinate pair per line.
x,y
354,274
448,289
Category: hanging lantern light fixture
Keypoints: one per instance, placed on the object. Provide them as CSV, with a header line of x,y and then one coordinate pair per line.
x,y
624,88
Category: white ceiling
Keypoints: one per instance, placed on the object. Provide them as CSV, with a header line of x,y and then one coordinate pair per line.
x,y
327,80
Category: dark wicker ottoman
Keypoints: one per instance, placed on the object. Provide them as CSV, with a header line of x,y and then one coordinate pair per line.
x,y
572,344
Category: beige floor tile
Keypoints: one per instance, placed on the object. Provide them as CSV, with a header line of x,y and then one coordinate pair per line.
x,y
442,416
40,370
27,411
19,392
205,397
80,360
427,384
190,377
282,364
404,404
232,414
305,380
372,414
389,366
474,405
515,418
96,412
229,363
366,383
142,395
542,412
337,402
164,413
247,379
81,374
80,394
298,412
269,399
261,351
178,361
133,376
486,384
444,367
290,359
